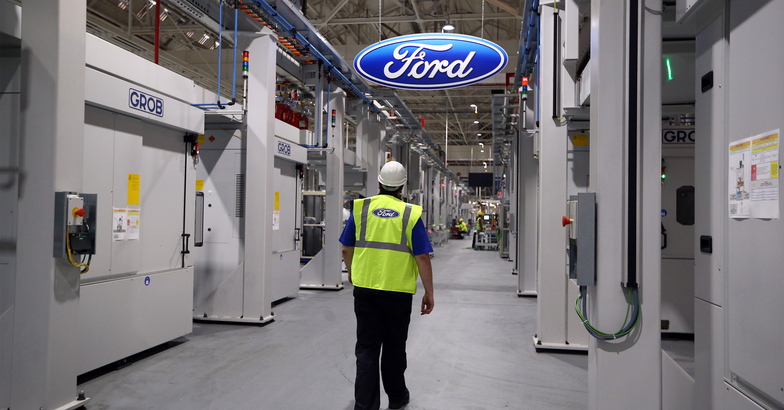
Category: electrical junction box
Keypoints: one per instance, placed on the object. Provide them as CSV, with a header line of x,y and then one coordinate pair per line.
x,y
74,221
586,239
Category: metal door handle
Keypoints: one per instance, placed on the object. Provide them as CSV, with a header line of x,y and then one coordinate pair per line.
x,y
663,237
185,243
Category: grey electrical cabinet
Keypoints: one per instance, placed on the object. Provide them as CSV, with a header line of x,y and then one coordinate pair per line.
x,y
586,239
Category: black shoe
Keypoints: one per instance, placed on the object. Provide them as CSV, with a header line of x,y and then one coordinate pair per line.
x,y
401,404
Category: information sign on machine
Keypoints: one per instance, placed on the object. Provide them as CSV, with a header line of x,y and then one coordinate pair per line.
x,y
144,102
284,149
126,222
753,177
276,213
678,136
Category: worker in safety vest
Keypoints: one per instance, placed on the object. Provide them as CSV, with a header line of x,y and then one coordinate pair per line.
x,y
385,247
480,223
463,226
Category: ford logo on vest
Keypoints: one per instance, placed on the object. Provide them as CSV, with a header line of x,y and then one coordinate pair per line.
x,y
386,213
432,61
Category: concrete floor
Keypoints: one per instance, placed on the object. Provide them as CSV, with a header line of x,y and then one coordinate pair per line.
x,y
473,352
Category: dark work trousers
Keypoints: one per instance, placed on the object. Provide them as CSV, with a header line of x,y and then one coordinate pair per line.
x,y
382,329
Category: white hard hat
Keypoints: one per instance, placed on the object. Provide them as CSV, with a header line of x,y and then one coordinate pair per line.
x,y
393,174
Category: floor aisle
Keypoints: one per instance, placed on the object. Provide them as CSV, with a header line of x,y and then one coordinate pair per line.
x,y
473,352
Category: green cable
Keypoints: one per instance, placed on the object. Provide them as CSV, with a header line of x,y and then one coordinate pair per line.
x,y
608,335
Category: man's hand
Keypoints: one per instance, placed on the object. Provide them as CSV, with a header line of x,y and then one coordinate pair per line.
x,y
348,257
427,304
426,274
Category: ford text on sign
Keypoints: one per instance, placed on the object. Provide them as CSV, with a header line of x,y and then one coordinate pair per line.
x,y
144,102
430,61
678,136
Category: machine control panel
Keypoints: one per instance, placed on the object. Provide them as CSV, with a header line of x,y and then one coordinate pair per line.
x,y
74,224
75,216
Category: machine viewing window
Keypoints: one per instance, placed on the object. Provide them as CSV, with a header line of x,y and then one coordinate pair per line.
x,y
684,206
198,235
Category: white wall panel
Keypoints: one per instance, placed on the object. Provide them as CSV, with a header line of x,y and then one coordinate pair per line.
x,y
677,385
125,316
9,139
163,163
755,307
708,355
98,179
218,265
735,400
128,135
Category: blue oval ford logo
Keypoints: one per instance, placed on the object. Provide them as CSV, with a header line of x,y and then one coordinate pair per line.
x,y
432,61
386,213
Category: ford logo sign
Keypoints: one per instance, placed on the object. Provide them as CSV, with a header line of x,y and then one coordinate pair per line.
x,y
386,213
431,61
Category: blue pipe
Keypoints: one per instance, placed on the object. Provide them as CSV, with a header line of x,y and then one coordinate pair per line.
x,y
329,114
220,48
234,83
538,67
301,39
220,60
532,22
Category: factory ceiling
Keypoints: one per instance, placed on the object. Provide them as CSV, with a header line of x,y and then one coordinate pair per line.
x,y
352,25
188,44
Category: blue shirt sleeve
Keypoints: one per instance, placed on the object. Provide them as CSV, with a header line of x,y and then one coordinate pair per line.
x,y
420,241
349,236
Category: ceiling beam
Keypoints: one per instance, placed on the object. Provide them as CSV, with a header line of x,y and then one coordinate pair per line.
x,y
406,19
506,7
334,12
167,29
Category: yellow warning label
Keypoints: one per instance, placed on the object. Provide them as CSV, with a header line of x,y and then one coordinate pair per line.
x,y
774,169
201,139
200,185
277,200
740,147
767,143
134,188
580,140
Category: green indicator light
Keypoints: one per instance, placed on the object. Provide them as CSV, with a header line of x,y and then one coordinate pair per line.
x,y
669,70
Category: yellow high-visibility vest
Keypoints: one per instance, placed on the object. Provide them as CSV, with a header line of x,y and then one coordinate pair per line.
x,y
383,256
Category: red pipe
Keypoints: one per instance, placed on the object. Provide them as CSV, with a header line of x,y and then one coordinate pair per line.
x,y
157,28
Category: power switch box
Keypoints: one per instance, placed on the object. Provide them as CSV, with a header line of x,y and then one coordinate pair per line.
x,y
586,239
75,223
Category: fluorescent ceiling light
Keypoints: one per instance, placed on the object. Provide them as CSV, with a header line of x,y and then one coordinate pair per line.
x,y
476,121
448,27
